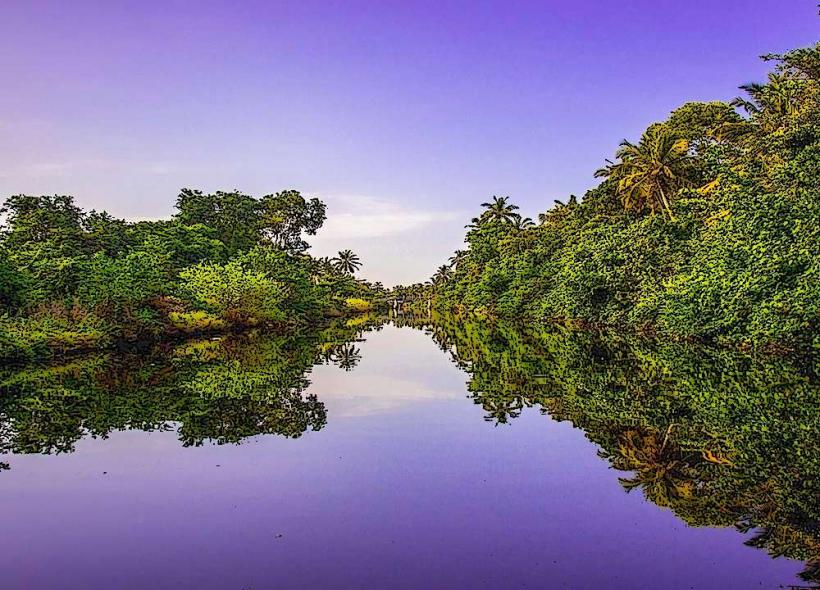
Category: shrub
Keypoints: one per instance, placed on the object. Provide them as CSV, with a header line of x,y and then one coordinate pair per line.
x,y
358,305
239,295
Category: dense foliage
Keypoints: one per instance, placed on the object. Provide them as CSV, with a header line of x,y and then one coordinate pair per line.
x,y
71,279
708,227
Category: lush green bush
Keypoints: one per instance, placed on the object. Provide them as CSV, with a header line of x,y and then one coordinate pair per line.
x,y
196,321
358,305
51,332
232,291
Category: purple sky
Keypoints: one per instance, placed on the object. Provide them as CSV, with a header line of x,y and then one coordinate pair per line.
x,y
403,116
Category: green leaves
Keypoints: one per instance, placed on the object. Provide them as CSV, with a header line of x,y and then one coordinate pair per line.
x,y
240,295
733,253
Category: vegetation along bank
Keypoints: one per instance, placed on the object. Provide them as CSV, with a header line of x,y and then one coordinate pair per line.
x,y
707,228
73,280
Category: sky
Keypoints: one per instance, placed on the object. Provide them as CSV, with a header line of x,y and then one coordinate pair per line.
x,y
403,116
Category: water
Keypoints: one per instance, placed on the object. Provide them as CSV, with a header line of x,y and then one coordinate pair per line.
x,y
455,455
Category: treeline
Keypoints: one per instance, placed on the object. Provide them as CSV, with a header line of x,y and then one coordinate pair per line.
x,y
708,227
71,279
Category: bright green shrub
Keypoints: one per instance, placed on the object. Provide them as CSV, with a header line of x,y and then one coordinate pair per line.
x,y
358,305
235,293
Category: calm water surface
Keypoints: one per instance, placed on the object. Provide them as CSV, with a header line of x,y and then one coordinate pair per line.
x,y
436,458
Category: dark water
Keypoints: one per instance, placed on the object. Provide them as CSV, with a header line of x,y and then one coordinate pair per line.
x,y
446,455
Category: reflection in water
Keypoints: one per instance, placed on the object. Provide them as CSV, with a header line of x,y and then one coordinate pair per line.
x,y
220,390
718,437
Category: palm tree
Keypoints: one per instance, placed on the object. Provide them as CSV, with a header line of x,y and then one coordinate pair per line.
x,y
347,262
651,172
458,258
770,106
347,356
663,472
779,97
442,275
500,209
559,211
521,223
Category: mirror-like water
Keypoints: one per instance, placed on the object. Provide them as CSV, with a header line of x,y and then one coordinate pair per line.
x,y
566,461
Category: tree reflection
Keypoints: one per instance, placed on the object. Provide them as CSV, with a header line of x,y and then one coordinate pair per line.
x,y
220,391
719,437
346,356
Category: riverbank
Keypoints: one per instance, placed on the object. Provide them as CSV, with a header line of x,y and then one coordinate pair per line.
x,y
707,228
80,280
30,339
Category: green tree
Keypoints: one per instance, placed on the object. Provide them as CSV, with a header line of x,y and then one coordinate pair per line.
x,y
442,275
649,174
287,215
242,221
500,210
234,216
12,283
521,223
347,262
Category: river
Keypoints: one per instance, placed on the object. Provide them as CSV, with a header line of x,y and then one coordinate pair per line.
x,y
410,454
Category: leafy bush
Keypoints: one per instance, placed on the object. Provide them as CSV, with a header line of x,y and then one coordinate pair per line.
x,y
39,337
358,305
238,295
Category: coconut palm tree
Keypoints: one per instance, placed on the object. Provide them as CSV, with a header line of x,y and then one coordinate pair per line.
x,y
458,258
770,106
500,210
521,223
780,97
650,173
347,262
346,356
442,275
559,211
663,472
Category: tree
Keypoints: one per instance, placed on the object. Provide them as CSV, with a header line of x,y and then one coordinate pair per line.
x,y
650,173
522,223
287,215
500,210
442,275
12,283
233,215
347,262
346,356
123,283
242,221
697,122
186,244
458,258
54,223
559,211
